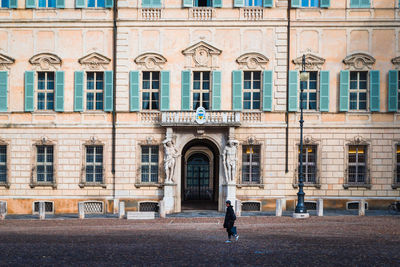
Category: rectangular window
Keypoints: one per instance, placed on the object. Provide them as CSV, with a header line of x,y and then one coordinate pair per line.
x,y
251,164
149,164
398,164
358,90
94,164
5,3
44,164
253,3
309,163
96,3
94,90
310,91
45,91
357,170
252,90
151,90
203,3
360,4
398,92
201,89
310,3
47,3
3,164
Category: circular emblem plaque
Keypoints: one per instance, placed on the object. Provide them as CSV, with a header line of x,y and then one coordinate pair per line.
x,y
200,115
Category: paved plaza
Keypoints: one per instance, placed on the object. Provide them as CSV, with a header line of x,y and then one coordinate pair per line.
x,y
264,241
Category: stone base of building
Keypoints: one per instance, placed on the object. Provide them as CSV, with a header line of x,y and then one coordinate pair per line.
x,y
301,215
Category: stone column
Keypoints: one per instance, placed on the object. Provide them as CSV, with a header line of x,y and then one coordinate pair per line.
x,y
162,209
278,210
3,210
238,207
116,206
121,210
230,192
320,207
81,210
361,207
169,197
42,210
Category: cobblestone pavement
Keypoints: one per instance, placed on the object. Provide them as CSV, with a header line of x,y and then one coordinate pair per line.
x,y
264,241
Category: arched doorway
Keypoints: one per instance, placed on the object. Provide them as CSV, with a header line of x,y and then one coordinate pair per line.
x,y
199,175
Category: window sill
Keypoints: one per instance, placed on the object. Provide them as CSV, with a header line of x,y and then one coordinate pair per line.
x,y
6,185
82,185
318,186
250,185
43,184
347,186
138,185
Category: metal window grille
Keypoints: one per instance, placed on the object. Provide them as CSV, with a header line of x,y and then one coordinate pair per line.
x,y
96,3
398,163
148,206
251,206
47,3
355,205
93,207
201,89
310,205
94,90
251,164
48,207
358,90
309,163
44,164
310,91
149,165
252,90
45,91
3,164
357,170
94,164
150,90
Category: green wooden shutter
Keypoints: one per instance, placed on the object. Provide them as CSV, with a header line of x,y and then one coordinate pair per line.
x,y
30,4
365,4
165,78
187,3
29,90
60,3
146,3
3,90
156,3
324,90
217,3
267,90
344,90
392,94
374,90
59,94
109,3
268,3
216,90
78,90
354,3
185,90
80,3
295,3
13,3
238,3
237,90
325,3
293,86
108,90
134,91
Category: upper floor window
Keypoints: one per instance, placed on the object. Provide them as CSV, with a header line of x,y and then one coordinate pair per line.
x,y
310,91
358,90
360,3
253,3
310,3
252,90
39,3
5,4
357,168
309,163
45,91
3,164
398,92
47,3
201,89
94,90
251,164
203,3
150,90
44,164
96,3
149,164
94,164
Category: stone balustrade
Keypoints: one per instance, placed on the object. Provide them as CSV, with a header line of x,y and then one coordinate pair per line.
x,y
188,118
151,13
201,13
252,13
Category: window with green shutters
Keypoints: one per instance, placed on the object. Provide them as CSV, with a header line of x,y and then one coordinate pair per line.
x,y
201,95
151,3
394,91
309,91
202,3
94,90
360,4
39,3
45,91
3,91
251,90
8,3
94,3
150,90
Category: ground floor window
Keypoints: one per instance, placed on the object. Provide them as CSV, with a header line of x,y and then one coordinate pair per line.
x,y
3,164
44,164
397,175
251,164
149,164
94,164
309,163
357,169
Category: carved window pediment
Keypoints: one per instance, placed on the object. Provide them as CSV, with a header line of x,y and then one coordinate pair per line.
x,y
358,140
252,61
150,61
201,55
359,61
5,61
396,62
309,140
46,61
94,61
313,62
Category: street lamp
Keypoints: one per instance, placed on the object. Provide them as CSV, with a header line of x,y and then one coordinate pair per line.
x,y
301,211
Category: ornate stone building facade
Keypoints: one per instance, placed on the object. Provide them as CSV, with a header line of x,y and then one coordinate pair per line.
x,y
194,102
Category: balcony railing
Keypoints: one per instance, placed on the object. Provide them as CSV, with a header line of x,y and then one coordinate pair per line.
x,y
188,118
202,13
151,13
253,13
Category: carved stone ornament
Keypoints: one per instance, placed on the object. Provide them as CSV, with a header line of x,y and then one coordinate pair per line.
x,y
46,61
150,61
313,62
201,55
252,61
94,61
358,140
309,140
359,61
5,61
396,62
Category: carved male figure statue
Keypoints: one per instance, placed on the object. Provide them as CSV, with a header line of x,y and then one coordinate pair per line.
x,y
170,155
230,159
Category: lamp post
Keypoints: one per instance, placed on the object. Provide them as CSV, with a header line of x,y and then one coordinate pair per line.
x,y
301,211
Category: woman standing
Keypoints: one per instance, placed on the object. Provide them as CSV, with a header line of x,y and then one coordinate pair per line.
x,y
229,221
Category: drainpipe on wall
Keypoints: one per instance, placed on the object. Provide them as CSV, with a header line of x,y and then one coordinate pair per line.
x,y
114,93
287,89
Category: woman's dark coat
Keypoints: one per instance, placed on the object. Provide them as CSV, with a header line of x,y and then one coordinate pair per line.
x,y
230,218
